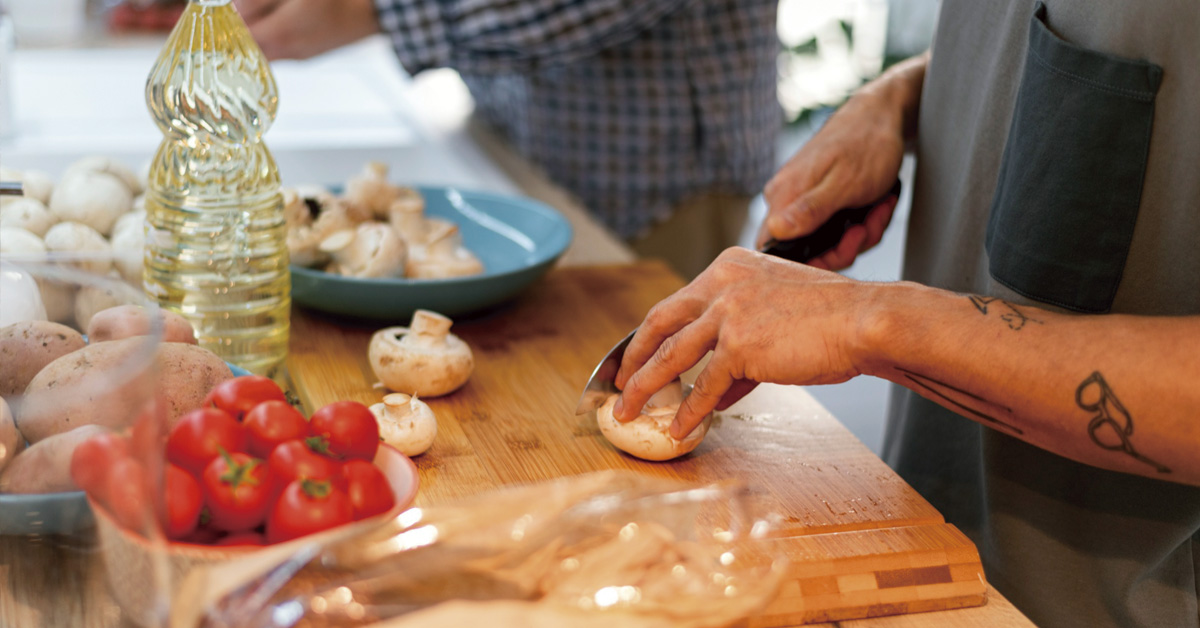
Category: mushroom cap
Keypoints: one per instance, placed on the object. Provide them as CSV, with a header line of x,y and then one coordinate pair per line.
x,y
34,183
428,365
648,436
22,300
406,423
21,241
27,213
373,249
109,166
95,199
80,238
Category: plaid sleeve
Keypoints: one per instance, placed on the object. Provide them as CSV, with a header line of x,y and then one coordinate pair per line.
x,y
484,36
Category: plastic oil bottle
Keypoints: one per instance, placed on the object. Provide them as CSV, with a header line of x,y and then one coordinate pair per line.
x,y
216,239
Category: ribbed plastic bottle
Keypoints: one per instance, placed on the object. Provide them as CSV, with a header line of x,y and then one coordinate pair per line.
x,y
216,240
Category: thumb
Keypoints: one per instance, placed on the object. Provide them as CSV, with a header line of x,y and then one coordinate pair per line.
x,y
800,217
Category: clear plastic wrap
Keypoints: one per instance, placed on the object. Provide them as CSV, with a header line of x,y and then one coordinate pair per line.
x,y
587,550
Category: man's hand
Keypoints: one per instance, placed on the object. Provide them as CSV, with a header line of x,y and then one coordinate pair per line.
x,y
299,29
764,319
853,160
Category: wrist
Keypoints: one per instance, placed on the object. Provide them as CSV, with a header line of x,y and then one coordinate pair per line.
x,y
898,92
886,331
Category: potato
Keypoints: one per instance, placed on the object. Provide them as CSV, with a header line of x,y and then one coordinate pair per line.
x,y
186,374
11,441
79,388
27,347
46,466
128,320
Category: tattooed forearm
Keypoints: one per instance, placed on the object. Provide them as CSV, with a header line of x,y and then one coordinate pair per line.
x,y
1111,424
966,402
1008,312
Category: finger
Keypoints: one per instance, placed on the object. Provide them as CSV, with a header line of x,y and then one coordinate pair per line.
x,y
711,385
675,355
739,389
843,255
877,222
664,319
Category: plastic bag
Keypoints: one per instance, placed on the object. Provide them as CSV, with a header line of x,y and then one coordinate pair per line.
x,y
584,550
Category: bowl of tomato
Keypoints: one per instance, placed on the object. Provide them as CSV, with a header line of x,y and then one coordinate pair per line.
x,y
245,473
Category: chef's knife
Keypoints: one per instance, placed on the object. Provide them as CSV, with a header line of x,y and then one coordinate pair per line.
x,y
801,249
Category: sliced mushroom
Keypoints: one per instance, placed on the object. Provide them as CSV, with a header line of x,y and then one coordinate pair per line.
x,y
424,359
405,423
648,436
370,250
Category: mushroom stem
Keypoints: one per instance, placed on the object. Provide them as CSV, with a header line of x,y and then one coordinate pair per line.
x,y
399,405
427,323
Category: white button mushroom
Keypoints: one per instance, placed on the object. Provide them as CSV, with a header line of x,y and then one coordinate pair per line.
x,y
80,238
405,423
109,166
372,249
34,183
29,214
22,300
407,216
95,199
444,256
371,190
648,436
424,359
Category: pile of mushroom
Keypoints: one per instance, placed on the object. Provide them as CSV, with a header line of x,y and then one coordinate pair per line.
x,y
96,206
648,436
376,229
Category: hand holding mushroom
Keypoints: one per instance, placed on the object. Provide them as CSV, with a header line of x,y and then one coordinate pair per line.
x,y
648,436
424,359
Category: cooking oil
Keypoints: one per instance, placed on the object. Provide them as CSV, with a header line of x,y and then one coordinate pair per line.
x,y
216,239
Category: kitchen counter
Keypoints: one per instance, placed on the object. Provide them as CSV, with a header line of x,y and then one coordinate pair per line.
x,y
349,107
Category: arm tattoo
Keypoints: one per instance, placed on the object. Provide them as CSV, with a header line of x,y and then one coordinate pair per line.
x,y
965,402
1010,313
1111,426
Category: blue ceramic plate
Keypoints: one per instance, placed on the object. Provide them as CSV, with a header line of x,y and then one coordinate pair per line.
x,y
516,238
53,513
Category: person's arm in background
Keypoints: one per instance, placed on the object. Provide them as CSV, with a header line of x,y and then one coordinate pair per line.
x,y
852,160
488,36
1114,391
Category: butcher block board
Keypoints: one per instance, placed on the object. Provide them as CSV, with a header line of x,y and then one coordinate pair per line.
x,y
861,542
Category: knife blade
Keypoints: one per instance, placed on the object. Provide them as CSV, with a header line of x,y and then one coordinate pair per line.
x,y
600,385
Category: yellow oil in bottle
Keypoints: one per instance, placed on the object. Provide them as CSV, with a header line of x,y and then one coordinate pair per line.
x,y
216,239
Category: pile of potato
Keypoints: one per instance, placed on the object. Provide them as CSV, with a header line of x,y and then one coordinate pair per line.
x,y
50,401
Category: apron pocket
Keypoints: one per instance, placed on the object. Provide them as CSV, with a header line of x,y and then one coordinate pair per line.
x,y
1071,178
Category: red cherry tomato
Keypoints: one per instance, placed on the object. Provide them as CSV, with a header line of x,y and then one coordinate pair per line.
x,y
184,502
350,427
296,460
126,494
241,538
307,506
200,435
368,488
237,489
93,458
239,395
270,423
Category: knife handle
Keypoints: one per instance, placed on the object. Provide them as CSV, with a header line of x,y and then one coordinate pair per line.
x,y
827,236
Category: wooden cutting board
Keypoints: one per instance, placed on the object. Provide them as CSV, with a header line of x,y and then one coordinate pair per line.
x,y
862,543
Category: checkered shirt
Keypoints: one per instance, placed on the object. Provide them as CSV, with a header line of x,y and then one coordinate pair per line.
x,y
632,105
